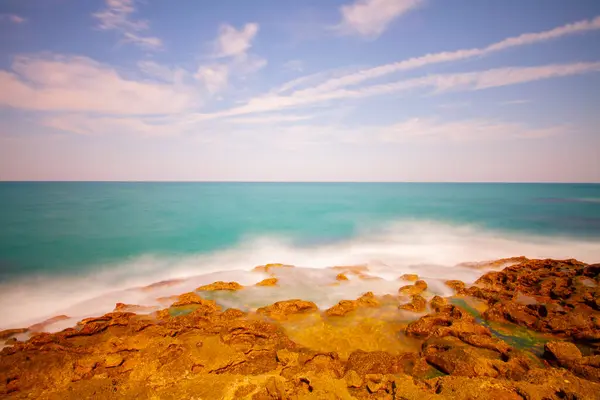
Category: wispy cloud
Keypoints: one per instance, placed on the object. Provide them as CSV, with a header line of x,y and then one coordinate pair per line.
x,y
270,119
51,82
441,83
515,102
370,18
448,56
117,16
14,18
231,45
232,42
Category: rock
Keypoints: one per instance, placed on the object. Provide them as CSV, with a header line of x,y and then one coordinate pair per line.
x,y
353,380
161,284
113,360
563,352
410,290
462,361
368,299
417,304
457,285
187,299
42,325
437,303
282,309
134,308
342,308
373,362
220,285
345,306
5,334
268,267
341,277
410,277
268,282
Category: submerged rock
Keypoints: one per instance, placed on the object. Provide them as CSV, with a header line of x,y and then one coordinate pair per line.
x,y
409,277
268,282
283,309
417,288
40,327
220,285
341,277
417,304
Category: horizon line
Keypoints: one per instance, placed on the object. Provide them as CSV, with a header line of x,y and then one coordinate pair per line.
x,y
264,181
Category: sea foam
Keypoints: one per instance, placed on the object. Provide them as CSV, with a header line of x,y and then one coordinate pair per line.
x,y
431,250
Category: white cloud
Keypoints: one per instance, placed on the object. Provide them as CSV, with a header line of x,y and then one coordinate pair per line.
x,y
70,83
14,18
164,73
214,77
90,125
117,16
232,42
439,83
270,119
232,46
371,17
448,56
430,129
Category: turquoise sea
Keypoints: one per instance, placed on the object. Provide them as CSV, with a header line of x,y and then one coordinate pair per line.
x,y
58,238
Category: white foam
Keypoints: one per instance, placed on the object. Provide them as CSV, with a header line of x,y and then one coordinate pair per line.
x,y
431,250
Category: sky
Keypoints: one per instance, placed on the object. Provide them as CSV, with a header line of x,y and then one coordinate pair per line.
x,y
313,90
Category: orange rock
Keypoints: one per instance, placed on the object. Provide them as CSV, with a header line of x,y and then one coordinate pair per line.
x,y
368,299
220,285
457,285
437,303
417,288
417,304
281,309
341,277
345,306
5,334
410,277
342,308
134,308
42,325
192,298
166,283
352,269
268,267
268,282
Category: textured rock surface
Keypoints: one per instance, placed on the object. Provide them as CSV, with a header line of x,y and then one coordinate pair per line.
x,y
220,285
194,349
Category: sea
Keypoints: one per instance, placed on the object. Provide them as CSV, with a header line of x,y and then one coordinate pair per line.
x,y
77,248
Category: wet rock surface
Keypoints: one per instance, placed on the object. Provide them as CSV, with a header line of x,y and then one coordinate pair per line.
x,y
198,349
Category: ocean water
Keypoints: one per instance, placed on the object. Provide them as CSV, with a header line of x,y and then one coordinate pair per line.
x,y
77,248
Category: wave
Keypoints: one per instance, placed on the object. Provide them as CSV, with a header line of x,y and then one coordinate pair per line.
x,y
430,249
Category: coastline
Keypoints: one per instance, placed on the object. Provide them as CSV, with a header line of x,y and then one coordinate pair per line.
x,y
524,329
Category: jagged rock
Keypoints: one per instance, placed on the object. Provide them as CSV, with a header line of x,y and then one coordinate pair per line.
x,y
563,352
410,290
268,282
134,308
341,277
42,325
192,298
5,334
282,309
410,277
220,285
417,304
457,285
353,380
437,303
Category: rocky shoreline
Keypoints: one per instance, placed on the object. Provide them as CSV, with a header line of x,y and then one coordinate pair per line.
x,y
529,331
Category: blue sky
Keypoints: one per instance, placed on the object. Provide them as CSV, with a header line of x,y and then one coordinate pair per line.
x,y
364,90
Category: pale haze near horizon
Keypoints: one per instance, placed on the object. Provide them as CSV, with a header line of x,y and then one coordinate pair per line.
x,y
365,90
